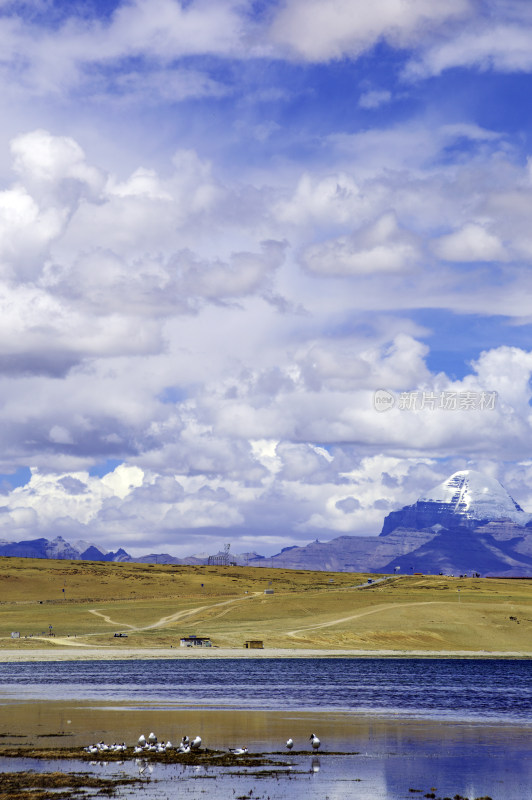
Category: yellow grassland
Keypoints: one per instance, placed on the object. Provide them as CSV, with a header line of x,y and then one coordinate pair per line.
x,y
157,604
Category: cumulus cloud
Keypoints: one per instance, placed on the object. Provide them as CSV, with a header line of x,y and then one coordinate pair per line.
x,y
471,243
302,488
379,247
334,199
26,231
244,274
211,294
46,162
69,297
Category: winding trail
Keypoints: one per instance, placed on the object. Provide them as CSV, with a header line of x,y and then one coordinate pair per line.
x,y
163,622
179,615
109,620
366,613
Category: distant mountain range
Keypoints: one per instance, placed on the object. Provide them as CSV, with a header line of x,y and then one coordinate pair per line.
x,y
468,523
59,548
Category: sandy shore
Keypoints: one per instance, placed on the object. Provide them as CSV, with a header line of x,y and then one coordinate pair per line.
x,y
108,654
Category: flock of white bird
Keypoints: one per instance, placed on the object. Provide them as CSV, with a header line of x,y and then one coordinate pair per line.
x,y
145,745
101,747
151,744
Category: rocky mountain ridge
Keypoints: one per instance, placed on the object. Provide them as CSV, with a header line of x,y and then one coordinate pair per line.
x,y
466,499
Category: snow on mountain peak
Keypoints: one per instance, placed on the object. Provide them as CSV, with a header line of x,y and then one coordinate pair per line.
x,y
476,496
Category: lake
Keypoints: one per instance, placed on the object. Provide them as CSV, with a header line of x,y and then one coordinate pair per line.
x,y
390,728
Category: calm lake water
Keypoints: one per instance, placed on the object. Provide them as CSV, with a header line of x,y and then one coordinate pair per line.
x,y
388,726
457,689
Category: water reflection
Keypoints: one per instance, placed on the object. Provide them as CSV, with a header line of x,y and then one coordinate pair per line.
x,y
379,776
360,757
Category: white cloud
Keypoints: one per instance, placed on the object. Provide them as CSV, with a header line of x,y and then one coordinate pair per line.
x,y
471,243
484,44
77,52
43,160
26,231
48,497
159,85
374,98
305,489
334,199
123,480
221,325
379,247
320,30
165,29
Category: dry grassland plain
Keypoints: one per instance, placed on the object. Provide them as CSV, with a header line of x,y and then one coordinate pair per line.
x,y
83,605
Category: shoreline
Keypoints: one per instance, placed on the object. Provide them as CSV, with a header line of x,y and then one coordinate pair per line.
x,y
144,654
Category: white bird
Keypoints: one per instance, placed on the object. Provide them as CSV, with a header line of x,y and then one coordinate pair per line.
x,y
314,741
238,751
184,748
141,764
185,740
168,745
195,744
142,739
289,743
152,738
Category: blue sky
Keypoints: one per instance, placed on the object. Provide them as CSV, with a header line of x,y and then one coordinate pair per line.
x,y
223,227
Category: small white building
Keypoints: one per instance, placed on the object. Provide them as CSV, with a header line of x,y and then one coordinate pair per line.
x,y
195,641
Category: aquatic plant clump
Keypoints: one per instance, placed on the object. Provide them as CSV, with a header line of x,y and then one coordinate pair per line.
x,y
51,785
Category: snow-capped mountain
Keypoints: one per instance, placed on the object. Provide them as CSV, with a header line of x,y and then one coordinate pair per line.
x,y
465,499
477,496
467,523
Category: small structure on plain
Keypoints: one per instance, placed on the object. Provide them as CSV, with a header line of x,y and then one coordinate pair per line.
x,y
195,641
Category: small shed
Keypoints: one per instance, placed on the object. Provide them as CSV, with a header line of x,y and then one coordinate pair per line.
x,y
195,641
254,644
268,591
15,634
